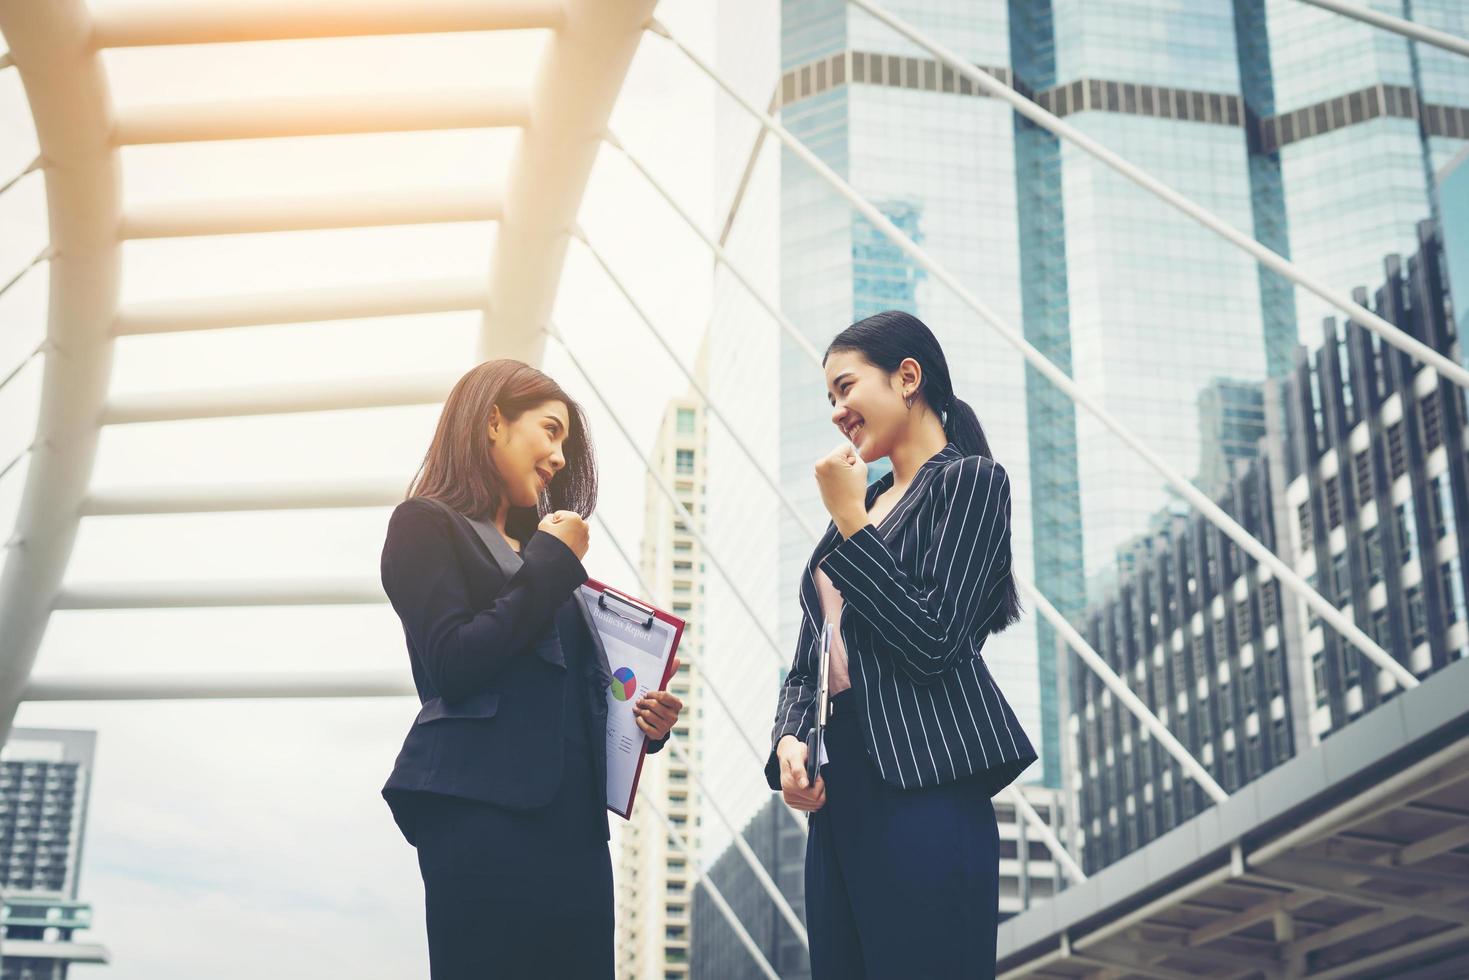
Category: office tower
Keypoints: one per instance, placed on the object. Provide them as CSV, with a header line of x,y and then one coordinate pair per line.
x,y
1379,486
1453,197
1359,487
654,878
45,780
1361,120
780,847
1231,421
1029,872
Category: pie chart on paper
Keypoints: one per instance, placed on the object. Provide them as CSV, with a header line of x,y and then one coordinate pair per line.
x,y
624,683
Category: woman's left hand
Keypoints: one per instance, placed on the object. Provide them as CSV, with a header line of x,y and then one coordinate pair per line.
x,y
658,711
841,476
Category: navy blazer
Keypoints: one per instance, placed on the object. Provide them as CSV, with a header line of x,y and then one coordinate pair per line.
x,y
917,590
489,658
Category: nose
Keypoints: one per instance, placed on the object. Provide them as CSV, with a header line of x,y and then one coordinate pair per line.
x,y
839,415
557,460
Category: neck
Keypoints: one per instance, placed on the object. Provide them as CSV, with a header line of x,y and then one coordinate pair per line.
x,y
922,443
502,514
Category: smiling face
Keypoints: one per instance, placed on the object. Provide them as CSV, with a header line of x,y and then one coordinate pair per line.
x,y
867,402
527,452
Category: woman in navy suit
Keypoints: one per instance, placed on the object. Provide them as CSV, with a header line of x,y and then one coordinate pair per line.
x,y
501,781
902,862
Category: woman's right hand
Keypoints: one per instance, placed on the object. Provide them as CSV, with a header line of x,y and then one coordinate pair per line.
x,y
797,790
569,527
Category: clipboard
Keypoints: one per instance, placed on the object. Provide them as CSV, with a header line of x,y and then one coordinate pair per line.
x,y
640,641
816,738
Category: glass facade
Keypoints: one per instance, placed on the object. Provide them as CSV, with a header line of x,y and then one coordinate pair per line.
x,y
1355,190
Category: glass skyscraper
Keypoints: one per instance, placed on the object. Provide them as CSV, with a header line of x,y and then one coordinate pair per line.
x,y
1362,120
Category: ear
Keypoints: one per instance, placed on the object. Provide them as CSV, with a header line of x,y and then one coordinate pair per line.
x,y
910,375
497,420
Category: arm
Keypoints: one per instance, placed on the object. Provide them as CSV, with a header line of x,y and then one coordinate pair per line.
x,y
928,619
461,649
795,710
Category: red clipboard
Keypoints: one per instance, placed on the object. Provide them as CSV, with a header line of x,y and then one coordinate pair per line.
x,y
623,615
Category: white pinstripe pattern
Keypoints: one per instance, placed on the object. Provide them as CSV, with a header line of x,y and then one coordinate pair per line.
x,y
919,585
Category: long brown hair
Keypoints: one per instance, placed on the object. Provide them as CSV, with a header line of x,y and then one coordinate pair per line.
x,y
458,470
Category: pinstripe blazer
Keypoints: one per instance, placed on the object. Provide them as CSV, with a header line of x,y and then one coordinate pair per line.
x,y
915,590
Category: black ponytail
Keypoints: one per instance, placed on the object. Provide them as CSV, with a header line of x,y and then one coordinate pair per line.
x,y
885,339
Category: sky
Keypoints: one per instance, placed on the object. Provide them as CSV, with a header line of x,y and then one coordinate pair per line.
x,y
248,839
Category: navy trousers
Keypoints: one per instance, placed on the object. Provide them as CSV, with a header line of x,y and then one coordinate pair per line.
x,y
899,883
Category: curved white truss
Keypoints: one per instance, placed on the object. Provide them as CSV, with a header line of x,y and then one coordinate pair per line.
x,y
67,90
56,47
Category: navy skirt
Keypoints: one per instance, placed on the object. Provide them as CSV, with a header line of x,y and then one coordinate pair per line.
x,y
521,893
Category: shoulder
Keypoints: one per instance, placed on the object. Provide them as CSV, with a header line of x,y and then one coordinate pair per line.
x,y
417,516
974,473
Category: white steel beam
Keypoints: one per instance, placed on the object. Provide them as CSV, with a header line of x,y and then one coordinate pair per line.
x,y
1398,25
35,166
579,78
44,255
66,87
228,21
211,685
396,112
320,305
277,399
310,212
197,594
234,498
720,255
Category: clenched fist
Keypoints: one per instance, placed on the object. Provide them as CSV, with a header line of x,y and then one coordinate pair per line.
x,y
569,527
841,476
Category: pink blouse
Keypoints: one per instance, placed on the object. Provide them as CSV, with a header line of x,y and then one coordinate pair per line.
x,y
831,607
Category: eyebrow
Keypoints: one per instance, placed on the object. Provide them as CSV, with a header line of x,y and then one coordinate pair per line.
x,y
556,420
836,383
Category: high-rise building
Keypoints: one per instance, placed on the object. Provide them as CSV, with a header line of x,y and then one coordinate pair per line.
x,y
1360,485
655,880
780,847
1029,872
1379,486
1361,119
45,780
1453,198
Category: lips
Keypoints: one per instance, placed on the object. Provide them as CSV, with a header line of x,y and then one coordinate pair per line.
x,y
545,476
853,430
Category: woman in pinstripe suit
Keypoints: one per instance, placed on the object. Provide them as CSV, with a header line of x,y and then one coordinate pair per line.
x,y
902,863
